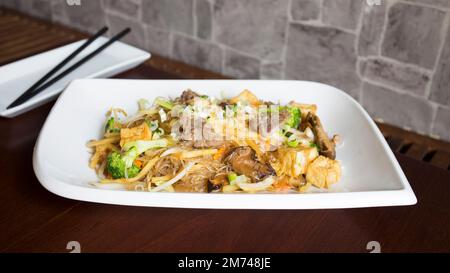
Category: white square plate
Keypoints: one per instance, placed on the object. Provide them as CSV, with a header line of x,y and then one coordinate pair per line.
x,y
17,77
371,174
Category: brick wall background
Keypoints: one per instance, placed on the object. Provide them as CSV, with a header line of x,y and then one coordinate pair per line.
x,y
394,58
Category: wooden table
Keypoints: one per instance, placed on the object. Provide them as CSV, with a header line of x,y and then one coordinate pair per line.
x,y
35,220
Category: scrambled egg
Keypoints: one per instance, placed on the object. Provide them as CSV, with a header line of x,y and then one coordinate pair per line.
x,y
323,172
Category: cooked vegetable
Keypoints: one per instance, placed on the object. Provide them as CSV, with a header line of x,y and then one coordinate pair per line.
x,y
175,179
158,133
293,143
123,165
326,146
143,103
232,177
111,126
197,143
245,185
243,161
305,109
153,125
116,166
144,145
164,103
294,117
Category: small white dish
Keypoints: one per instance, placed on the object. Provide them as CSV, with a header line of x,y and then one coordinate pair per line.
x,y
17,77
371,174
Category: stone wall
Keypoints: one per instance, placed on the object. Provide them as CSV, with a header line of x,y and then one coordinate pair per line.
x,y
391,55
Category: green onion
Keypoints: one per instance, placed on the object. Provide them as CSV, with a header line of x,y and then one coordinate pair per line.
x,y
164,103
232,177
293,143
143,104
314,145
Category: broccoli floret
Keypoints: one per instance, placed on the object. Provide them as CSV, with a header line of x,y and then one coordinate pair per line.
x,y
164,103
294,117
116,166
133,171
110,126
117,163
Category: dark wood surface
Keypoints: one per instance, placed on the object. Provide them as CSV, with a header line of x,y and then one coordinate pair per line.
x,y
32,219
35,220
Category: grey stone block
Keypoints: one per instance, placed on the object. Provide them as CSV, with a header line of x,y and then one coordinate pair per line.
x,y
256,27
395,75
14,4
89,16
441,125
342,13
37,8
322,54
198,53
129,8
241,66
169,14
272,71
137,35
440,89
58,13
203,11
157,41
402,110
371,30
413,34
305,10
8,4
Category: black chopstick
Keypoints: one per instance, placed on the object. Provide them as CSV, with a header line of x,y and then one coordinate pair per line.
x,y
34,92
58,67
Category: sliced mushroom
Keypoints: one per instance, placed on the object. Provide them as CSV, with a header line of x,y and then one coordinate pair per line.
x,y
243,162
326,146
192,183
218,181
